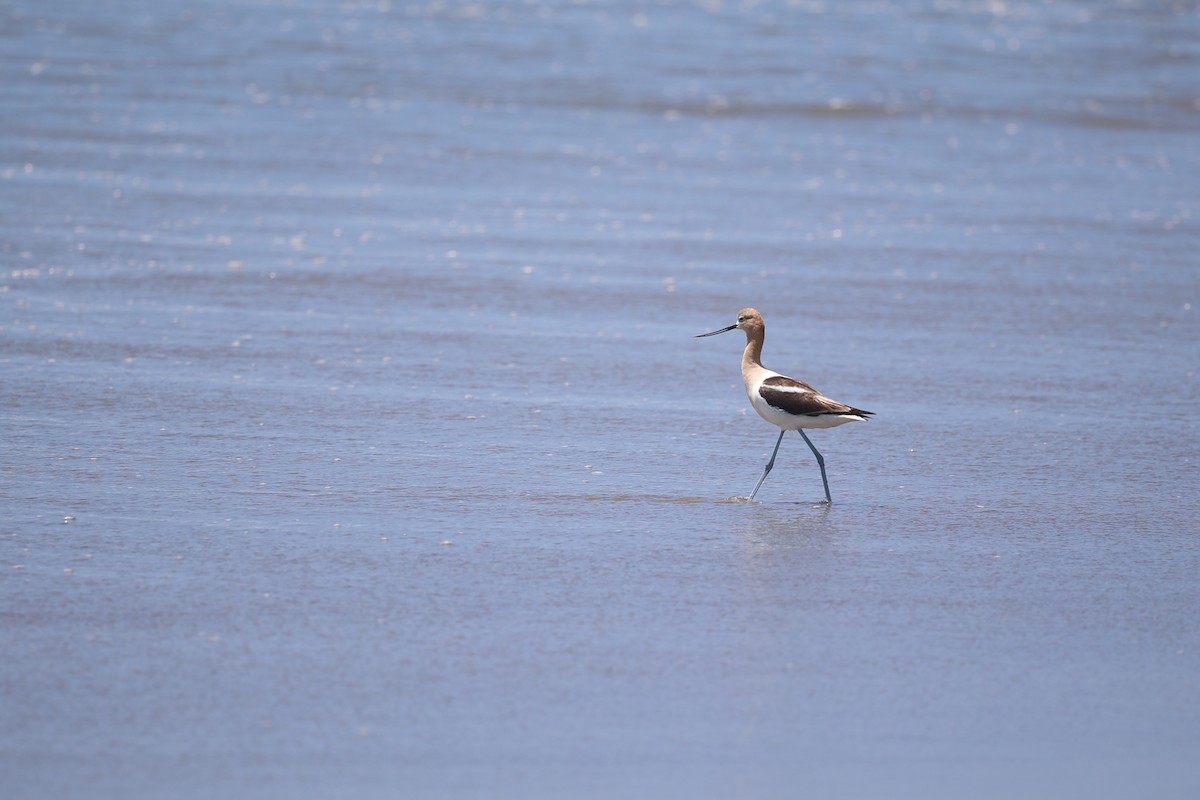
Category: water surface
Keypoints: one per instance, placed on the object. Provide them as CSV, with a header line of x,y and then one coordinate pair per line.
x,y
355,441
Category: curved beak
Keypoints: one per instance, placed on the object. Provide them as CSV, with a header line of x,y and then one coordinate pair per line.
x,y
714,333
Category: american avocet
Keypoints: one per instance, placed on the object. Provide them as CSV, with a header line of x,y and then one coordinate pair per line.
x,y
785,402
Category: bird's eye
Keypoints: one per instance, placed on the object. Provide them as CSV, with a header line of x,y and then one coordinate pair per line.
x,y
741,319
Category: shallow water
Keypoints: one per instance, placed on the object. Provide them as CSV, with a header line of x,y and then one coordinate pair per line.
x,y
355,441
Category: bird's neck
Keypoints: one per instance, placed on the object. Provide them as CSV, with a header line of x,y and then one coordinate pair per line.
x,y
752,355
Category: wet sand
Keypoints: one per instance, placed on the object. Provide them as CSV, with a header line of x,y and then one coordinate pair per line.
x,y
355,440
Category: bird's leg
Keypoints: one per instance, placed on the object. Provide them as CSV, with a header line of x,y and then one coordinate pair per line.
x,y
820,463
770,464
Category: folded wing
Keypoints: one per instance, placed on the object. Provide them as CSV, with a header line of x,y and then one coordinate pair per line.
x,y
798,398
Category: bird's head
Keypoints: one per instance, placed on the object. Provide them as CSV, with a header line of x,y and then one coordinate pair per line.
x,y
748,319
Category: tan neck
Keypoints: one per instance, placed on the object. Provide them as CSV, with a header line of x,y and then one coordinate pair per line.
x,y
752,355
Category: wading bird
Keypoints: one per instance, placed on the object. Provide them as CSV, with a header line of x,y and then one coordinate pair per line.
x,y
787,403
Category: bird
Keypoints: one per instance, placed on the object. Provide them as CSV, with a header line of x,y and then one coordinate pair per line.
x,y
786,403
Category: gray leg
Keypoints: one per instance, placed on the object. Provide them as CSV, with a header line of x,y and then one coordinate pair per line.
x,y
820,463
770,464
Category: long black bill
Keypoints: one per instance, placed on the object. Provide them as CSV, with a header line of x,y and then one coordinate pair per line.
x,y
714,333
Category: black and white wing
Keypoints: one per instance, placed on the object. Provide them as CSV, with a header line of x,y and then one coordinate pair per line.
x,y
799,399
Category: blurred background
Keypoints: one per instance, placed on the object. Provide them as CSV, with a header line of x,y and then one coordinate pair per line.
x,y
353,438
